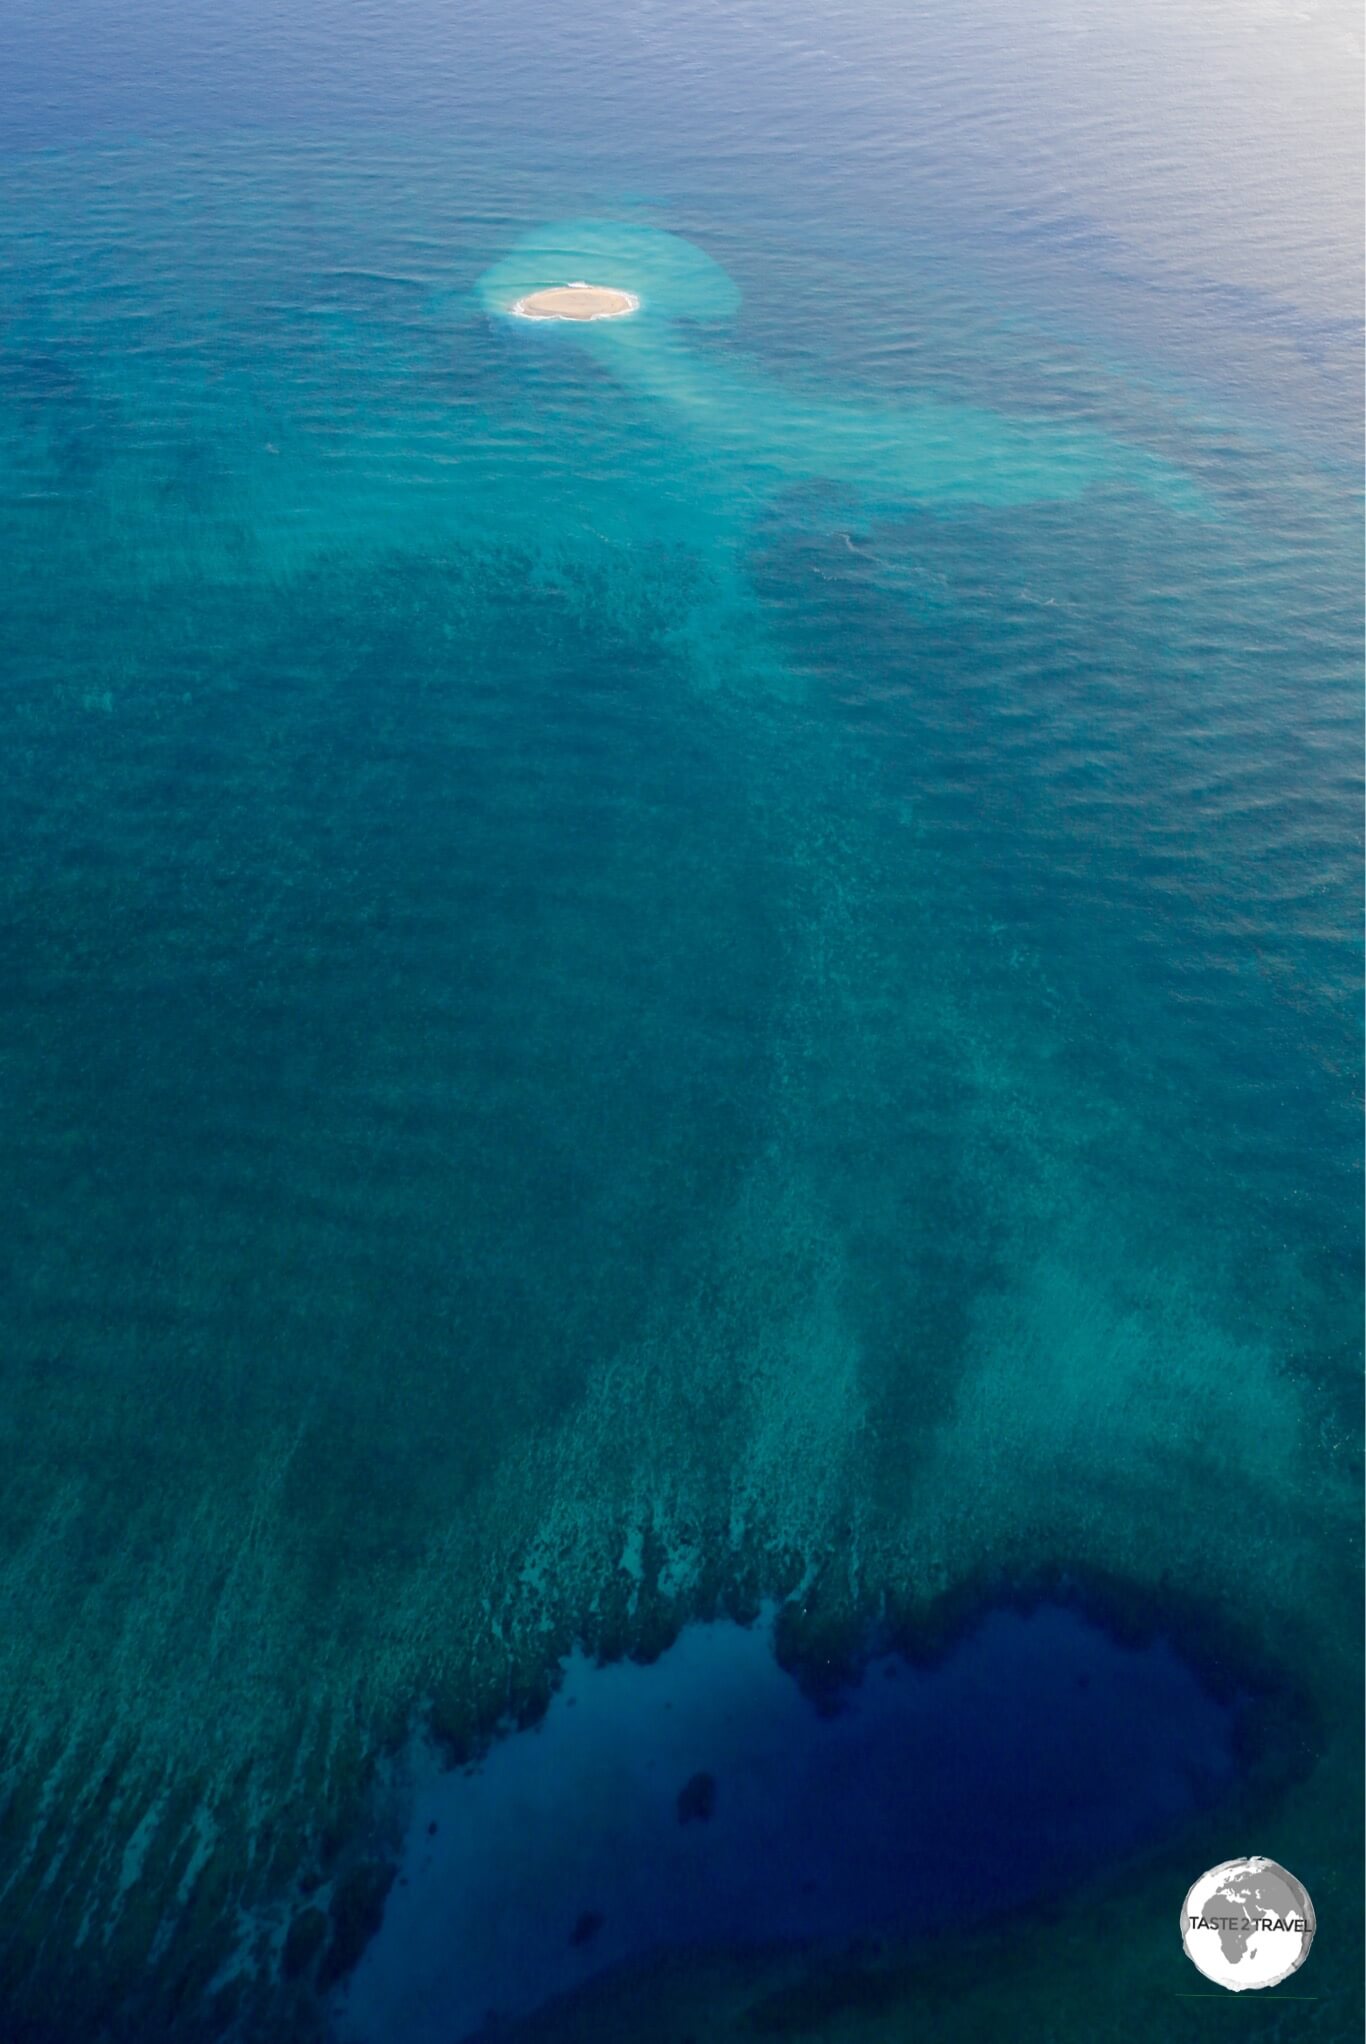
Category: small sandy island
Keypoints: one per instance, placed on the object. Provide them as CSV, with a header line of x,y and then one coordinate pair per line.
x,y
576,301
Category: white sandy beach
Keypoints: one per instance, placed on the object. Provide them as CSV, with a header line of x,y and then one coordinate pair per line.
x,y
576,301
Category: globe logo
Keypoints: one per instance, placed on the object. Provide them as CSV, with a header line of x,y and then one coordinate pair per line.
x,y
1247,1923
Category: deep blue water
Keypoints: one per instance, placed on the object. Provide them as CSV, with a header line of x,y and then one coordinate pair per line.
x,y
653,966
930,1798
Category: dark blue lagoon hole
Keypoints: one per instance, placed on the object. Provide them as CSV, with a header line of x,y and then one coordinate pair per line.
x,y
702,1799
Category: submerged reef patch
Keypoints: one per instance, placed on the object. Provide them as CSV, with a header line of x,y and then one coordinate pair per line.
x,y
671,276
533,1326
760,436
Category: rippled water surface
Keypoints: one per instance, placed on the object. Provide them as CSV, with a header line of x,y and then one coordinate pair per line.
x,y
662,964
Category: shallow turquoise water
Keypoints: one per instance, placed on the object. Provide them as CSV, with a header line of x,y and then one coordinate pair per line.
x,y
653,963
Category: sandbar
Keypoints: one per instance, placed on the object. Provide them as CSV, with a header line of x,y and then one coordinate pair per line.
x,y
576,301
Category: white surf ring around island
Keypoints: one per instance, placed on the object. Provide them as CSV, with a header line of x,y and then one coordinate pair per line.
x,y
622,304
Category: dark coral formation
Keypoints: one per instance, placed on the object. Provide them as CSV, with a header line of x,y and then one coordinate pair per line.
x,y
697,1799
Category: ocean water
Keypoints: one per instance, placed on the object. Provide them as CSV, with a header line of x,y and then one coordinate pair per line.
x,y
663,965
701,1800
